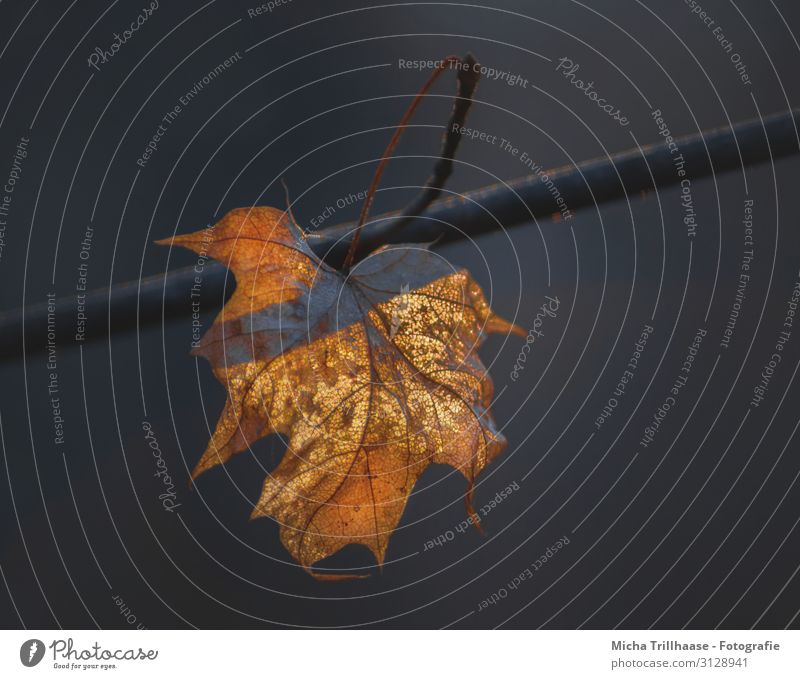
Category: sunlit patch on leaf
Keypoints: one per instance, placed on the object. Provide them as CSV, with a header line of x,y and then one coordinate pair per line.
x,y
370,375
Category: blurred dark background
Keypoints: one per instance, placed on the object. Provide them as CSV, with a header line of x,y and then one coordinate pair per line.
x,y
697,529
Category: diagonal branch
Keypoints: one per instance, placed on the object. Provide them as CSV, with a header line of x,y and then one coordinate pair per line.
x,y
166,295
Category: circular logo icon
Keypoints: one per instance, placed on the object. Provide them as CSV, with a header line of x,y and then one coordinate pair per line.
x,y
31,652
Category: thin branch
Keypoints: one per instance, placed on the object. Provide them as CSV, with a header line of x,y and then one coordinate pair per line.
x,y
401,126
166,295
468,77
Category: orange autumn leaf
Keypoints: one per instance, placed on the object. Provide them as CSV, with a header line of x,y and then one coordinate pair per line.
x,y
371,375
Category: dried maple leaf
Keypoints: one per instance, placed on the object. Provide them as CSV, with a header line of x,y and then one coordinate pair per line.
x,y
371,374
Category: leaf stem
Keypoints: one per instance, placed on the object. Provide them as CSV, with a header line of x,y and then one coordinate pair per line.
x,y
446,63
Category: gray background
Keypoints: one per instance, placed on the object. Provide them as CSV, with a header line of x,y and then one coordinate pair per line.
x,y
698,529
